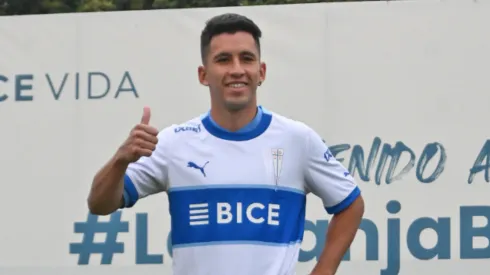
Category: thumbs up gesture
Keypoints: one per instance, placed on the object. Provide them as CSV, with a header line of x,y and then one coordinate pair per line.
x,y
142,140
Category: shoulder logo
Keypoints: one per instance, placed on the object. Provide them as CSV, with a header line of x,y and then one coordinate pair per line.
x,y
327,155
185,128
200,168
277,155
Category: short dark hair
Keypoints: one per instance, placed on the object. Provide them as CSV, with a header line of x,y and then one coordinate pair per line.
x,y
227,23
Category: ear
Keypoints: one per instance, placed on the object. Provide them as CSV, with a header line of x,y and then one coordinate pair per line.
x,y
262,72
201,73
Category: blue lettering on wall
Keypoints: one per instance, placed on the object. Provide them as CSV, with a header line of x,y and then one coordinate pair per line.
x,y
126,78
23,84
441,226
482,163
106,81
103,88
468,232
142,256
383,156
99,85
57,91
3,79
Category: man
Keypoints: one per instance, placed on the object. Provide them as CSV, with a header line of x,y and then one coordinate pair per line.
x,y
236,177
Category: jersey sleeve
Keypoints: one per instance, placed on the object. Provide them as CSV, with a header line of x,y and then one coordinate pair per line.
x,y
148,175
326,177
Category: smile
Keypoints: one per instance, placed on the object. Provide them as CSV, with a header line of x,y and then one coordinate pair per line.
x,y
237,85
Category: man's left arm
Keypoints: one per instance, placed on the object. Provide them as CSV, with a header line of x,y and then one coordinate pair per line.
x,y
328,179
342,229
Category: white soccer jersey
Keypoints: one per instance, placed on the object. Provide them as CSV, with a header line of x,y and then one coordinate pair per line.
x,y
237,200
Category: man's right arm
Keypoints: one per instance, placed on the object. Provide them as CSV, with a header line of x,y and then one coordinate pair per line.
x,y
106,194
136,170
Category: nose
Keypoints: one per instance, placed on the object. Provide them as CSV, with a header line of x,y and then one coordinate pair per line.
x,y
236,69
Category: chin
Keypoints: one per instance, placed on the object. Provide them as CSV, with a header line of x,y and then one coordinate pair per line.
x,y
236,105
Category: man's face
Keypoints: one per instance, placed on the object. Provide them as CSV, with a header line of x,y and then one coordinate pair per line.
x,y
232,70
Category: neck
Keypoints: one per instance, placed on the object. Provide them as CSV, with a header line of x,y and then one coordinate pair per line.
x,y
233,121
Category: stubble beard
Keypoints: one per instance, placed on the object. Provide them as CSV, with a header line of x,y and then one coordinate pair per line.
x,y
234,106
238,105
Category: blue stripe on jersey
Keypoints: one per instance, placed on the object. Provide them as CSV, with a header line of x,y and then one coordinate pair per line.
x,y
345,203
260,128
130,193
236,214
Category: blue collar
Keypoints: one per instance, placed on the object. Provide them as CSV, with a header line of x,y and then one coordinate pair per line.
x,y
252,130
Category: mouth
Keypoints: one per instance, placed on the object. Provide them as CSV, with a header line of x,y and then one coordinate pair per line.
x,y
237,85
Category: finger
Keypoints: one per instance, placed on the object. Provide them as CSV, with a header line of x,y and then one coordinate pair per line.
x,y
142,135
144,152
146,145
145,119
148,129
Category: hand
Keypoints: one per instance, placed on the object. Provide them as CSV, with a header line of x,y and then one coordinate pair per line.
x,y
142,141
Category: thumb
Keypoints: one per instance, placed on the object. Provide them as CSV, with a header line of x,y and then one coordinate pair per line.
x,y
145,119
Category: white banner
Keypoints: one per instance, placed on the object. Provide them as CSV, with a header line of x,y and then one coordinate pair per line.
x,y
399,90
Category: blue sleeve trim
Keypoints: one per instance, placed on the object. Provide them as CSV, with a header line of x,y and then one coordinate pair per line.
x,y
126,198
130,193
345,203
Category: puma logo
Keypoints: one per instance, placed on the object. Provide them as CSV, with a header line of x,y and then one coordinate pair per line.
x,y
195,166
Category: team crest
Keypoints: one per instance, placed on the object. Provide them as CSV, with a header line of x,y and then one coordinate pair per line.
x,y
277,155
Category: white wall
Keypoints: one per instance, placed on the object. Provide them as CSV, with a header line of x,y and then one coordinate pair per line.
x,y
411,73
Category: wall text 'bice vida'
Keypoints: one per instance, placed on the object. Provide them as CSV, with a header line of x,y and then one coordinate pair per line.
x,y
386,159
77,86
